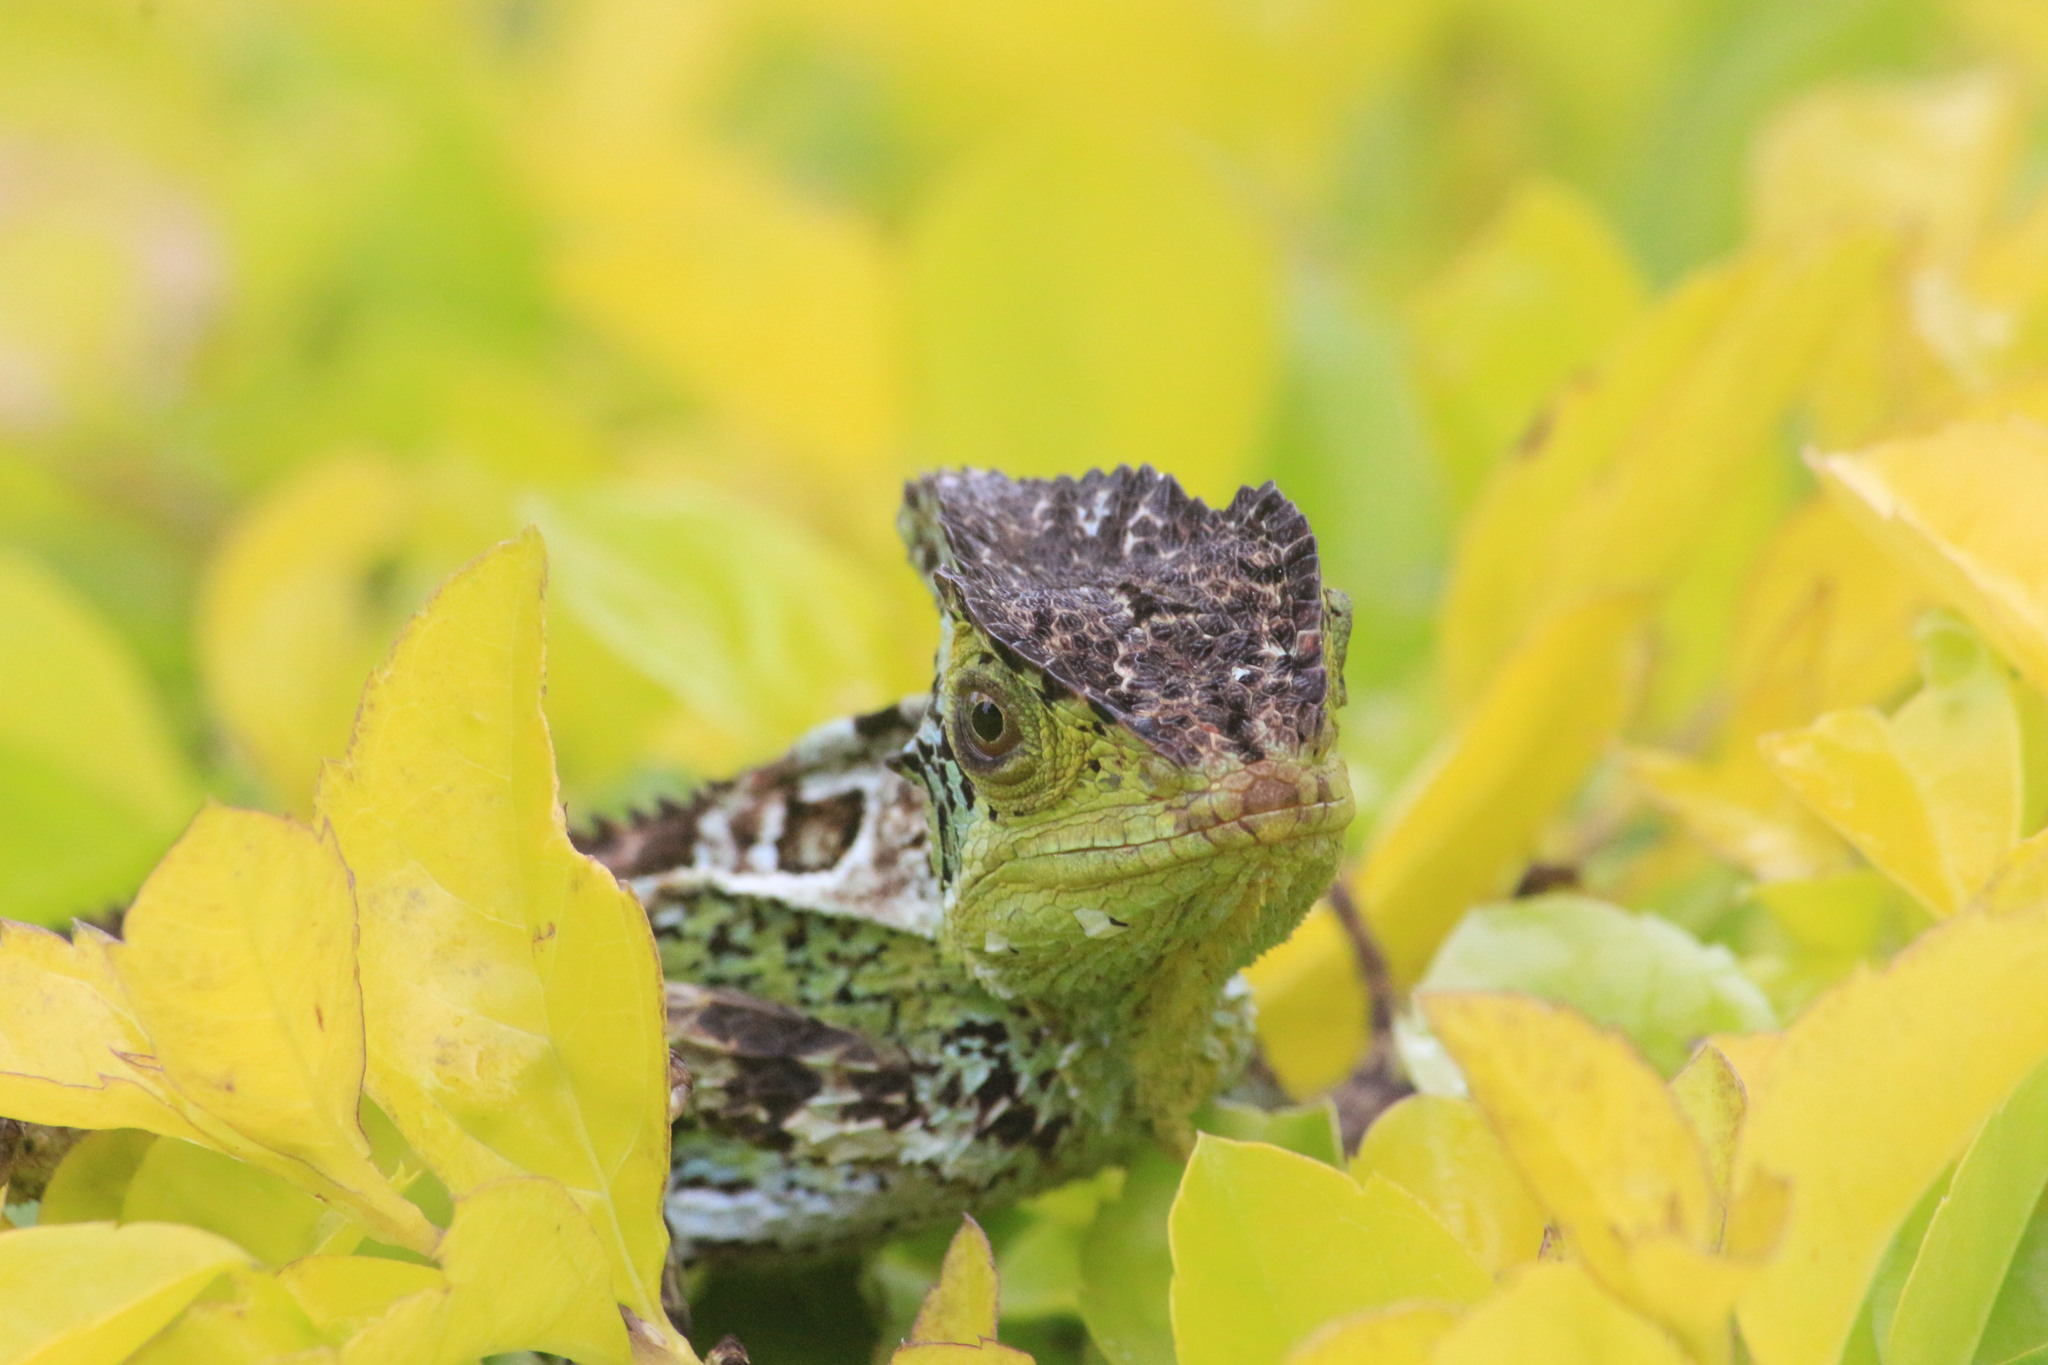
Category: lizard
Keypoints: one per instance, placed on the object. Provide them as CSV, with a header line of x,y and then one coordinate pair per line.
x,y
987,940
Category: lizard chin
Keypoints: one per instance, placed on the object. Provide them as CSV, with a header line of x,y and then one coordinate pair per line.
x,y
1078,912
1130,931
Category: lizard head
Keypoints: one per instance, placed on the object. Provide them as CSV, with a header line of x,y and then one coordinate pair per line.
x,y
1130,753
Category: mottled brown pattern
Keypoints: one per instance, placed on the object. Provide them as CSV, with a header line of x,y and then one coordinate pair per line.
x,y
762,1062
1200,629
826,826
29,1153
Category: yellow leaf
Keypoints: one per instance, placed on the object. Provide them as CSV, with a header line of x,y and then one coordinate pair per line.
x,y
1313,1017
511,991
1535,297
1592,1129
1920,1054
777,307
91,1293
71,1052
1441,1150
1458,833
288,623
1606,1151
1710,1095
1634,524
1933,795
1825,622
1822,575
1930,159
1093,293
239,960
91,788
255,1322
1740,811
1268,1245
340,1295
1624,486
524,1269
1384,1336
1494,593
961,1307
1750,1056
2021,882
1923,499
1963,737
1553,1314
1845,768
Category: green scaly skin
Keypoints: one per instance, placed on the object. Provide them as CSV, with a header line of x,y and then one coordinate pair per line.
x,y
911,977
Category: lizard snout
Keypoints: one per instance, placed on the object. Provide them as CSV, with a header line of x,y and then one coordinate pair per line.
x,y
1268,794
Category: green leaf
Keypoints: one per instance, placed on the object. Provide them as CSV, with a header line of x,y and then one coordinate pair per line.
x,y
1127,1266
180,1182
1639,974
1968,1251
756,626
1094,293
1351,445
1269,1245
89,1185
1309,1129
91,788
2017,1329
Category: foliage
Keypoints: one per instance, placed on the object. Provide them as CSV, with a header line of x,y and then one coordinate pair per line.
x,y
1665,382
460,973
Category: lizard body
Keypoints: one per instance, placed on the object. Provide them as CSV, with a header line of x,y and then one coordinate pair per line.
x,y
984,942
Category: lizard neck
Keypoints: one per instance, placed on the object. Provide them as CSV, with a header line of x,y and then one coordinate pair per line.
x,y
1180,1027
1185,1039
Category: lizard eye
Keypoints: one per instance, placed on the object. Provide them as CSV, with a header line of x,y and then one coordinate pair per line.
x,y
989,731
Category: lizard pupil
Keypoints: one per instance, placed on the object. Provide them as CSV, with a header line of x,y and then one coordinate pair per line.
x,y
988,721
990,728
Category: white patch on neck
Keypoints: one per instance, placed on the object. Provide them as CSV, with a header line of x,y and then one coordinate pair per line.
x,y
1096,924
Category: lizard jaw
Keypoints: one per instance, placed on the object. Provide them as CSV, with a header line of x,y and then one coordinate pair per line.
x,y
1264,805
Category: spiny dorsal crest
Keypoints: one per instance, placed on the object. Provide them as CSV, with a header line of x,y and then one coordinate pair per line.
x,y
1199,628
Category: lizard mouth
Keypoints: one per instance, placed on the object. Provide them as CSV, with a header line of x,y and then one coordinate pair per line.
x,y
1261,811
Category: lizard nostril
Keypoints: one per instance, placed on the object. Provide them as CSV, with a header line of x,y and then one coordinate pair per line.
x,y
1269,793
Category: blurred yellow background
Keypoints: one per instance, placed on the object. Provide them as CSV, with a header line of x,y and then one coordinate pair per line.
x,y
304,304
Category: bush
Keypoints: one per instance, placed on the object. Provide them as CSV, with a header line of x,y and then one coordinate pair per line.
x,y
1665,383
